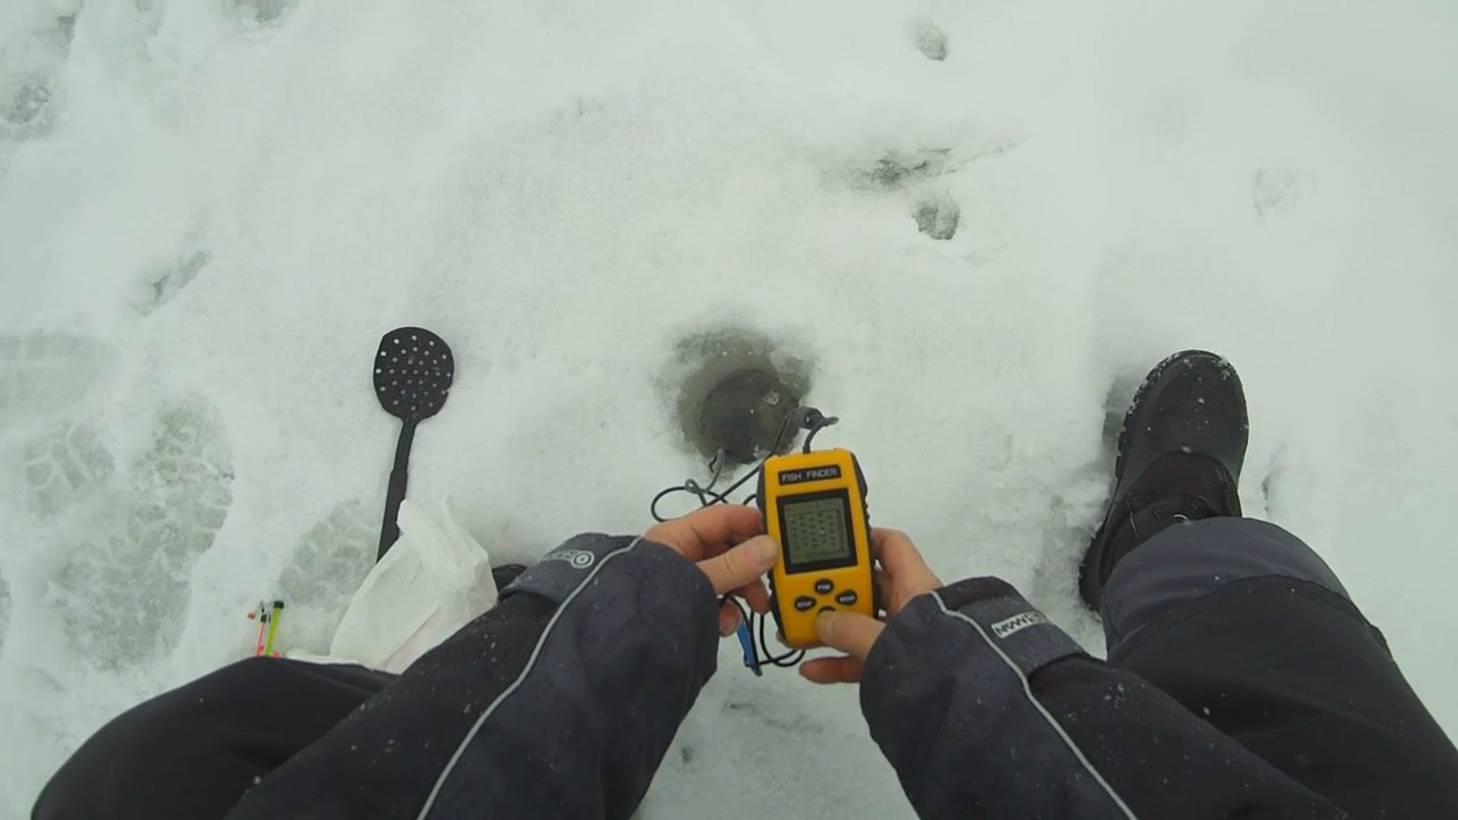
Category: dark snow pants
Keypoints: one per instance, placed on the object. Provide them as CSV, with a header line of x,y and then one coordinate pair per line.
x,y
192,752
1243,624
1236,619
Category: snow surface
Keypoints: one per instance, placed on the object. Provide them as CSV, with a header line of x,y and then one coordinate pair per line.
x,y
210,212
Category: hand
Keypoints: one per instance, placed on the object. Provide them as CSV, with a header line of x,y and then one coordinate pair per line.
x,y
729,546
903,575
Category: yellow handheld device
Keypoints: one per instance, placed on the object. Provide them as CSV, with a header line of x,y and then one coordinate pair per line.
x,y
814,505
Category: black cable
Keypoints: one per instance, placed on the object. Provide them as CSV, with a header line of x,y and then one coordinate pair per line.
x,y
728,598
692,487
806,418
785,660
815,425
706,496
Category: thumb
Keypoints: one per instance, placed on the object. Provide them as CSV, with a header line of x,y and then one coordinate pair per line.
x,y
850,632
741,565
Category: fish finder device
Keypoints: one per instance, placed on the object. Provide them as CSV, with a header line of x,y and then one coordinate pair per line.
x,y
814,506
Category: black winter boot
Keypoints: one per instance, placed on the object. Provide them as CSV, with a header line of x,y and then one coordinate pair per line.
x,y
1180,455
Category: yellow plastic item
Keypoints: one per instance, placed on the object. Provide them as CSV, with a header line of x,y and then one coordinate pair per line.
x,y
814,506
273,622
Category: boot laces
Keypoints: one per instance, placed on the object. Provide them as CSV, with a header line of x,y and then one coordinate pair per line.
x,y
1147,516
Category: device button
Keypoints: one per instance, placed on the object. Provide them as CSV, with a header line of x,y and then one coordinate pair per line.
x,y
827,609
847,598
804,603
824,586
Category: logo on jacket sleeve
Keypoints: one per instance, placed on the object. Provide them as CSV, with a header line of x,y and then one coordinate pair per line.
x,y
1007,628
579,559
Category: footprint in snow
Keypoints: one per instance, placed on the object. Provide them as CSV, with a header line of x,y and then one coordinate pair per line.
x,y
42,374
938,216
159,286
27,77
930,40
63,465
261,12
1286,478
122,598
896,170
327,566
1275,190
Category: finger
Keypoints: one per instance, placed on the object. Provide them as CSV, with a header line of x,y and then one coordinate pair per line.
x,y
729,619
709,531
832,670
901,560
756,596
741,565
850,632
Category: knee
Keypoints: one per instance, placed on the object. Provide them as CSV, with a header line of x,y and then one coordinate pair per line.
x,y
147,747
1218,551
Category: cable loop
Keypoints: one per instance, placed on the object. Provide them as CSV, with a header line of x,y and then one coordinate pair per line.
x,y
801,418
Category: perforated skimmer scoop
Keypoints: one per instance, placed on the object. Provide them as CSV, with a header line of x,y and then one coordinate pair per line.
x,y
413,373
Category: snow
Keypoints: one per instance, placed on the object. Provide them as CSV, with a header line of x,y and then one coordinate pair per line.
x,y
210,212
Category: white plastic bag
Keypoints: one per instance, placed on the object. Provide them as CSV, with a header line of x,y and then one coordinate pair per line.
x,y
433,581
